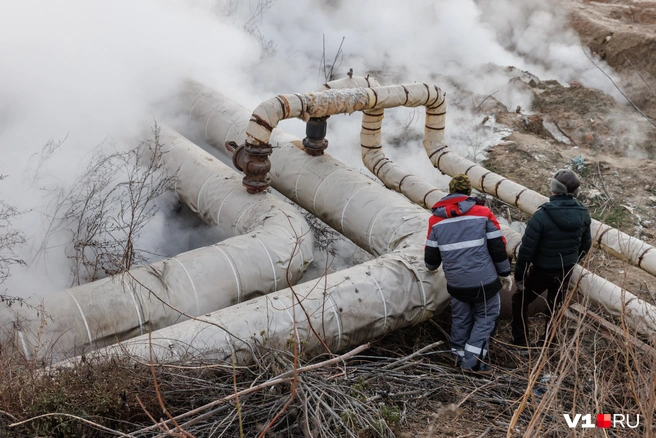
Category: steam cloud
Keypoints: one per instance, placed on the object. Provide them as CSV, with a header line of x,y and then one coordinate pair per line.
x,y
98,72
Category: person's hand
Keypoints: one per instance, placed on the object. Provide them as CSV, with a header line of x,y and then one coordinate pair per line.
x,y
506,282
520,286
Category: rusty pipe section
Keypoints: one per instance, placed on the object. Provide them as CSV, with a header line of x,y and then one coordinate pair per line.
x,y
253,160
253,155
391,174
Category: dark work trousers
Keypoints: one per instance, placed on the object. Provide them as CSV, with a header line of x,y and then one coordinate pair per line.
x,y
472,324
538,280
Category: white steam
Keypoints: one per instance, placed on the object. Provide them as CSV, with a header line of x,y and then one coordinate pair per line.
x,y
89,71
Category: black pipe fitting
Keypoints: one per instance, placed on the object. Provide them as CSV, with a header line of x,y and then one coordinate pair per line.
x,y
253,161
315,130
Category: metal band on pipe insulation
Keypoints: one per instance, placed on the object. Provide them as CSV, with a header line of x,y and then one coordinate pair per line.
x,y
193,286
273,268
234,271
338,319
84,318
341,220
382,299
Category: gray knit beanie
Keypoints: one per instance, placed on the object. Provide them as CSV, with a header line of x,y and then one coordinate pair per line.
x,y
565,182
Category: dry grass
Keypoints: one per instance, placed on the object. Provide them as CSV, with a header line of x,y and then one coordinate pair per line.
x,y
388,390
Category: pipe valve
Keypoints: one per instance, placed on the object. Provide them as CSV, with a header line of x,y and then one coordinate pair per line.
x,y
315,130
253,161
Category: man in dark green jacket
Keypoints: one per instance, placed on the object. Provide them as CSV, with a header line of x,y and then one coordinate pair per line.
x,y
557,236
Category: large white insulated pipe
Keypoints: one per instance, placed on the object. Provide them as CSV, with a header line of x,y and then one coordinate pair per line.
x,y
611,240
276,232
360,303
272,249
344,309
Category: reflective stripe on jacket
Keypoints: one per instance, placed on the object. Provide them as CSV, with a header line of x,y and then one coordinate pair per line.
x,y
465,236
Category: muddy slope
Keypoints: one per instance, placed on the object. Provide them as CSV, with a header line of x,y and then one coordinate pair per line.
x,y
623,33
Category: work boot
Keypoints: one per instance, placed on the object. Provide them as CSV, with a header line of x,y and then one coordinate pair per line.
x,y
483,369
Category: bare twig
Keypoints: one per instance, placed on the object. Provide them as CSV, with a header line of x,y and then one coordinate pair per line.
x,y
328,73
646,117
485,432
486,98
282,378
75,417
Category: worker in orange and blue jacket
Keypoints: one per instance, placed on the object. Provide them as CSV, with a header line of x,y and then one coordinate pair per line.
x,y
464,236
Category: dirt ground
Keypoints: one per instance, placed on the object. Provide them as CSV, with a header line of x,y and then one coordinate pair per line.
x,y
623,33
618,174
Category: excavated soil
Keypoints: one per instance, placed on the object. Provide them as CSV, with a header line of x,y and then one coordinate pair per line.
x,y
623,33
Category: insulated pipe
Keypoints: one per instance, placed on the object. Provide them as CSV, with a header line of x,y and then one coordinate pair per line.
x,y
358,304
348,100
391,174
639,314
272,249
321,104
611,240
276,233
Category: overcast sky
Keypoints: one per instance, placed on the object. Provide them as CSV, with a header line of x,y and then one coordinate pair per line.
x,y
94,72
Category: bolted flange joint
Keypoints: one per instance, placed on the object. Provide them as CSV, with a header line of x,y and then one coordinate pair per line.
x,y
253,161
315,130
